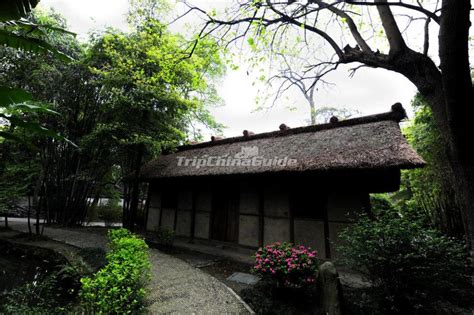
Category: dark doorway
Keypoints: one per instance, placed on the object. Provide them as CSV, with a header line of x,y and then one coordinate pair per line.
x,y
225,216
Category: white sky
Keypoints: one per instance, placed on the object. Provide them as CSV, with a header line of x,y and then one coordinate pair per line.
x,y
369,91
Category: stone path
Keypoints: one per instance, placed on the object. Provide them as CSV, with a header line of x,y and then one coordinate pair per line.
x,y
176,287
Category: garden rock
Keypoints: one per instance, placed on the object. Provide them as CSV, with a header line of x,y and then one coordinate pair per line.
x,y
330,290
244,278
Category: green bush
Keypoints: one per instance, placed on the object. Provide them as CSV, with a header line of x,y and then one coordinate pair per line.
x,y
110,213
409,264
118,288
165,237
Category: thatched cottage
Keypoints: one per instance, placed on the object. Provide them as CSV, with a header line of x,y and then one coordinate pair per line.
x,y
300,185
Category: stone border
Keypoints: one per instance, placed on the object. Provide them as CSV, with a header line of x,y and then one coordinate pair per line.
x,y
247,307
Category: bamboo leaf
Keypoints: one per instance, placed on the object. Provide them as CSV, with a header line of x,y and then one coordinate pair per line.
x,y
16,9
30,44
10,136
10,96
33,107
34,28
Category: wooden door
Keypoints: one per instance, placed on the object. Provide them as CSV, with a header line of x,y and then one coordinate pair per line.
x,y
225,216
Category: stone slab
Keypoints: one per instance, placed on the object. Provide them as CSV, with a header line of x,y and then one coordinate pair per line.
x,y
245,278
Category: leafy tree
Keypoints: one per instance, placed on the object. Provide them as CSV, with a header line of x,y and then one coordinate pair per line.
x,y
123,100
430,190
18,111
155,91
18,32
370,26
18,173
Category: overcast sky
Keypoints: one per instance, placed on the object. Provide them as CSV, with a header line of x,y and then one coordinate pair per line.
x,y
369,91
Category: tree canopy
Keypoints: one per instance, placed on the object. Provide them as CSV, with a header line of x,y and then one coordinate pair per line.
x,y
124,99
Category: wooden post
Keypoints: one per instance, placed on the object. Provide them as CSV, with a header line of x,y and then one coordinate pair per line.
x,y
161,206
261,216
211,215
147,206
193,215
327,243
135,188
175,220
292,228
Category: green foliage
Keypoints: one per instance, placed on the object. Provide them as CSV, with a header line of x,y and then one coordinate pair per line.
x,y
18,32
118,288
26,36
380,203
110,212
409,265
123,95
30,44
165,237
11,96
16,9
54,293
17,172
154,87
263,298
429,190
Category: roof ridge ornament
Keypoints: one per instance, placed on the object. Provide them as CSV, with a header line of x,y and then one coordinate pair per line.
x,y
398,109
396,114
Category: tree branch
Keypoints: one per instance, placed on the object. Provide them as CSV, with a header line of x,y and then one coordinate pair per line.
x,y
350,22
394,36
311,28
428,13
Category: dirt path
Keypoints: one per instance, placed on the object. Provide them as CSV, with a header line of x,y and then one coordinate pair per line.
x,y
176,287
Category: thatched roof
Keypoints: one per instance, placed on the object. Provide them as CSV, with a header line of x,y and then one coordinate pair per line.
x,y
365,143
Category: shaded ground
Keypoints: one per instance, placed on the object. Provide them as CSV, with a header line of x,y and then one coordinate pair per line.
x,y
176,286
219,267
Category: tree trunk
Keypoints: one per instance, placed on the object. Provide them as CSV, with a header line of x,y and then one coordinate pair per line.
x,y
449,93
135,188
458,148
36,199
29,215
38,218
313,112
464,174
459,99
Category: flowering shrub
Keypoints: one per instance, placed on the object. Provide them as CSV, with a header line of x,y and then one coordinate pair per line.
x,y
286,265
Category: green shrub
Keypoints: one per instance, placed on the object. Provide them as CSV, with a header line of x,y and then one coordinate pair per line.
x,y
409,264
110,213
118,288
165,237
380,202
53,293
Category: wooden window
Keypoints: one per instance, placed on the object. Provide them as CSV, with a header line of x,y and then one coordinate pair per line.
x,y
169,199
308,204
